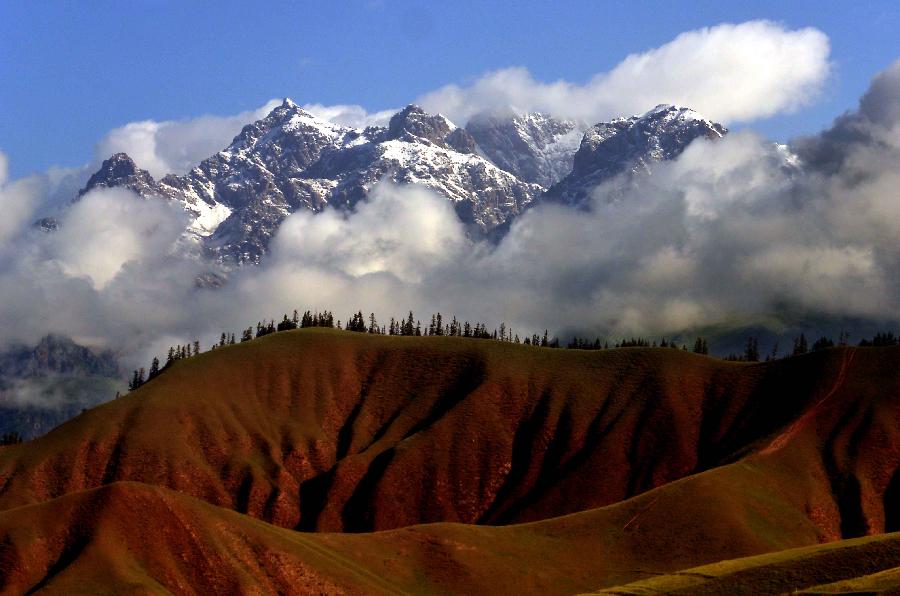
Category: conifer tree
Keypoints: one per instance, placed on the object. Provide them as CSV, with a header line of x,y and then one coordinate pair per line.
x,y
751,351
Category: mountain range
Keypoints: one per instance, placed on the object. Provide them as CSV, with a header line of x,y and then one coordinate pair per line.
x,y
492,170
44,385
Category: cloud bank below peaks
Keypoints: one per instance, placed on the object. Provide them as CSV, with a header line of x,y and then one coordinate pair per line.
x,y
731,73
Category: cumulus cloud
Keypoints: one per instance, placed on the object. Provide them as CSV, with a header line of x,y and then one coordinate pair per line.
x,y
175,146
18,201
732,73
109,228
4,168
110,276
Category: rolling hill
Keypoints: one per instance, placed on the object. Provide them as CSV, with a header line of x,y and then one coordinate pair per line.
x,y
657,460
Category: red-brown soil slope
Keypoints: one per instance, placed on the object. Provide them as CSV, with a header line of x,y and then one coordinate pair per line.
x,y
133,538
330,430
855,566
339,431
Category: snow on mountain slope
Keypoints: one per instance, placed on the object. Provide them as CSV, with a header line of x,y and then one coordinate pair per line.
x,y
632,145
535,147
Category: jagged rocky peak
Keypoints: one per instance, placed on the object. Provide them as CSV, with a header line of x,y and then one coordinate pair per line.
x,y
120,171
631,145
289,123
413,121
535,147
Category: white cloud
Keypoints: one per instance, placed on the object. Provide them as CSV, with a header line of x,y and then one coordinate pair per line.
x,y
731,73
18,202
351,115
175,146
109,228
4,168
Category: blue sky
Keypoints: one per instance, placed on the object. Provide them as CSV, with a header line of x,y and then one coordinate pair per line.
x,y
69,73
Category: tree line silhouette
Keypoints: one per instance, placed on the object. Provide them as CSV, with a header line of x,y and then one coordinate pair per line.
x,y
410,326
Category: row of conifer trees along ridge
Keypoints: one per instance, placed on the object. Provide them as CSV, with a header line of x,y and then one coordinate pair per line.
x,y
410,326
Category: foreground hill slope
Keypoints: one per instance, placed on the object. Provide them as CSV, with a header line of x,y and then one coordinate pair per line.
x,y
336,431
855,566
328,430
134,538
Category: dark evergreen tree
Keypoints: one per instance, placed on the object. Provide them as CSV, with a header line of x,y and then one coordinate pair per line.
x,y
154,368
800,346
286,324
823,343
751,351
10,438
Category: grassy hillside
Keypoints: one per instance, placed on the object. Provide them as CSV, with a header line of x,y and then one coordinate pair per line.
x,y
859,566
134,538
666,460
332,430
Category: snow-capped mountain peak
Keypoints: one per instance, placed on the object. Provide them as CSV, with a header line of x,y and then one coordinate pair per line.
x,y
630,145
119,170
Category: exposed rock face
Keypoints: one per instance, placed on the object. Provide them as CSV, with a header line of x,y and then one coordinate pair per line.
x,y
534,147
120,171
45,385
631,145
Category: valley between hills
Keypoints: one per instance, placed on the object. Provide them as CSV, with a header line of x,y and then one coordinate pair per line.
x,y
326,461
